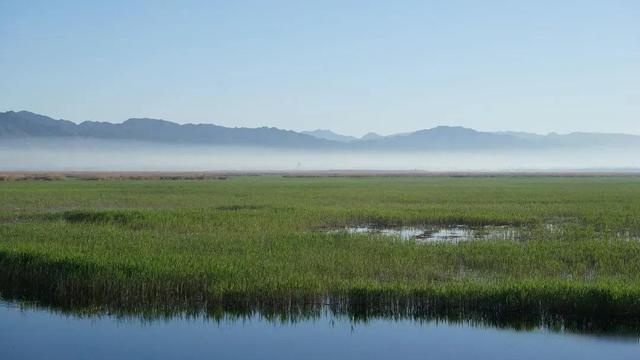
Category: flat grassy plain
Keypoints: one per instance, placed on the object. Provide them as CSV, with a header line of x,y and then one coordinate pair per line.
x,y
257,242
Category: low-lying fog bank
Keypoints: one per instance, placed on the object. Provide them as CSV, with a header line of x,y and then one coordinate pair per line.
x,y
105,155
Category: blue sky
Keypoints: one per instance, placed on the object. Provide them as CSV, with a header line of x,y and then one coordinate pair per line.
x,y
351,66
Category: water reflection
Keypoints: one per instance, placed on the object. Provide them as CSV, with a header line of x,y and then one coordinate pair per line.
x,y
450,233
357,311
35,333
459,233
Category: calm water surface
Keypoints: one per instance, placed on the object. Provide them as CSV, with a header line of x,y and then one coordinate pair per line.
x,y
40,334
452,234
459,233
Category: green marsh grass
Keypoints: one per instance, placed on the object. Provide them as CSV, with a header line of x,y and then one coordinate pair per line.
x,y
257,243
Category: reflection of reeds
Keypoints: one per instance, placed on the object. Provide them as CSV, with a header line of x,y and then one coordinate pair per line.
x,y
487,307
78,287
249,245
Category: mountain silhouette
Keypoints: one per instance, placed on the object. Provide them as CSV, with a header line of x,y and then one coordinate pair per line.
x,y
24,124
27,124
330,135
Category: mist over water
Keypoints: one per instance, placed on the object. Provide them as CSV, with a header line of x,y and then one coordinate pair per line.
x,y
109,155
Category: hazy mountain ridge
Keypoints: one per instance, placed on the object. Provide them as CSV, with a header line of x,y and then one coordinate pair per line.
x,y
24,124
446,137
371,136
577,139
27,124
330,135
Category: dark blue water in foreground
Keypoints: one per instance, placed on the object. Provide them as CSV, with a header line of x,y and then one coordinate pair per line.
x,y
39,334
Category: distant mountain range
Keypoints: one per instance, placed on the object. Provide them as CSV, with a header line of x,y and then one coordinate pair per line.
x,y
25,125
330,135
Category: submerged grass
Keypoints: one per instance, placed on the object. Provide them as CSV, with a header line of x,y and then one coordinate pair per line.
x,y
251,243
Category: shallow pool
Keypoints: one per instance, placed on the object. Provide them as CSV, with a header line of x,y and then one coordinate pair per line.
x,y
450,233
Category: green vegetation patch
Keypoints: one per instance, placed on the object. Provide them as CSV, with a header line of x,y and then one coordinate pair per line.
x,y
102,217
256,242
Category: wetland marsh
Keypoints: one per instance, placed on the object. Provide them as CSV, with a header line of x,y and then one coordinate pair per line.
x,y
256,244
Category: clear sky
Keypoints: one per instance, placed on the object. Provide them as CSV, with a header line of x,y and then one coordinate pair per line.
x,y
351,66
